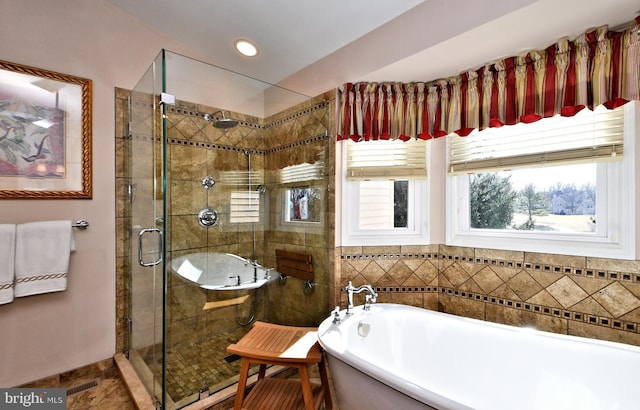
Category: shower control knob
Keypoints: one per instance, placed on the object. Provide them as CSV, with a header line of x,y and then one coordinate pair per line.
x,y
208,182
207,217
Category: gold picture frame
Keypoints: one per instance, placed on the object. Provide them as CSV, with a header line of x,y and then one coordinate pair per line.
x,y
45,134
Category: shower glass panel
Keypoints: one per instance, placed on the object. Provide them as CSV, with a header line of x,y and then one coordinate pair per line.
x,y
145,283
210,148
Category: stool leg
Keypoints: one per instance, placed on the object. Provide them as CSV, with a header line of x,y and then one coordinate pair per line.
x,y
306,386
242,384
262,370
325,384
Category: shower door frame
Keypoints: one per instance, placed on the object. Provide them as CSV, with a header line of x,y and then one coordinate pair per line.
x,y
147,254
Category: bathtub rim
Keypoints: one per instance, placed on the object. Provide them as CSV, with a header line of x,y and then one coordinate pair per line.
x,y
217,287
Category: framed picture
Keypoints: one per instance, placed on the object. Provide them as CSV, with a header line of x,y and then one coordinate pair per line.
x,y
45,134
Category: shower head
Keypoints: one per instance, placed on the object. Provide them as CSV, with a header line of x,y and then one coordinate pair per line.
x,y
223,122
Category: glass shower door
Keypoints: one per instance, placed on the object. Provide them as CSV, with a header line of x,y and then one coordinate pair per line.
x,y
146,286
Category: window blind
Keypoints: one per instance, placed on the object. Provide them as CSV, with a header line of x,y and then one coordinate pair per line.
x,y
245,207
391,159
587,136
376,205
302,172
255,177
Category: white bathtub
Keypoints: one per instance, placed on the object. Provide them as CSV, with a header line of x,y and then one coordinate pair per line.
x,y
220,271
414,358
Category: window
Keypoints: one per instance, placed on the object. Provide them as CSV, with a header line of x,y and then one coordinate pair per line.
x,y
551,199
302,193
554,186
384,193
384,204
303,205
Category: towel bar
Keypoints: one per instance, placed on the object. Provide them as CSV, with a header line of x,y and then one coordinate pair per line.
x,y
81,224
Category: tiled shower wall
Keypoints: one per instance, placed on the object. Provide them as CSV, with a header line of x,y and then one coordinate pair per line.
x,y
580,296
195,150
297,136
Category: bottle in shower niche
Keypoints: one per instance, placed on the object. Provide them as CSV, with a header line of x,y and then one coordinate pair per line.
x,y
303,203
295,198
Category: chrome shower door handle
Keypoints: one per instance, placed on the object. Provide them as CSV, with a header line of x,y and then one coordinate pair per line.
x,y
140,235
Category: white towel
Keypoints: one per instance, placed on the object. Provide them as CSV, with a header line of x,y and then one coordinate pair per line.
x,y
7,257
42,257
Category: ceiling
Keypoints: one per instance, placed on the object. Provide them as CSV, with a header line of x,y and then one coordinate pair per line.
x,y
313,46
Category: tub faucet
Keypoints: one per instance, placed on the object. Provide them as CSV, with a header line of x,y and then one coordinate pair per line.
x,y
256,265
336,315
370,298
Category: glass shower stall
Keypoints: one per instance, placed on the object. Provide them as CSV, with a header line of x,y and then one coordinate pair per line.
x,y
222,171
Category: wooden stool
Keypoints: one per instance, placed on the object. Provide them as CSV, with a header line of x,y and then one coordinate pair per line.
x,y
288,346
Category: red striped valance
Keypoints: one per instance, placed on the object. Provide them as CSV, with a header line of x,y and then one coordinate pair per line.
x,y
598,67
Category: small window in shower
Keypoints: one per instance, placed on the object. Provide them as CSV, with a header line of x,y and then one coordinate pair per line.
x,y
303,205
245,207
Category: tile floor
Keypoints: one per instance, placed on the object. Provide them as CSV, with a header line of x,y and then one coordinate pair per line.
x,y
190,367
111,394
202,363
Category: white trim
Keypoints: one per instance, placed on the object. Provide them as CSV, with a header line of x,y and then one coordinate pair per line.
x,y
616,239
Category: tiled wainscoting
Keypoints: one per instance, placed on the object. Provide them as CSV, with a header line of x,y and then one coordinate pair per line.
x,y
581,296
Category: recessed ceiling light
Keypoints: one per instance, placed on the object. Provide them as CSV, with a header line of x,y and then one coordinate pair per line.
x,y
246,48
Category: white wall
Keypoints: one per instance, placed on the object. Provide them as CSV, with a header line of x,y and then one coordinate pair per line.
x,y
48,334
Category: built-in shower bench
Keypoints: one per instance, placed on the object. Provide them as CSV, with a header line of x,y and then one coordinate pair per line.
x,y
289,346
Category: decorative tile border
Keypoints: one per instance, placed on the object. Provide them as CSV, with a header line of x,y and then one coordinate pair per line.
x,y
546,310
405,289
193,113
202,144
388,256
567,270
298,114
177,109
209,145
300,143
280,121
